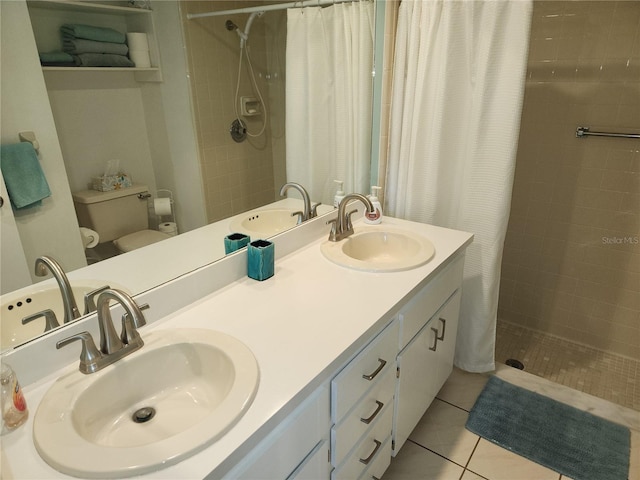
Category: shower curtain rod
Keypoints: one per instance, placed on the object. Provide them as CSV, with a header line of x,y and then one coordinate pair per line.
x,y
266,8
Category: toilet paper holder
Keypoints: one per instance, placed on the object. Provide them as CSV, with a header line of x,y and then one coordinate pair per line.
x,y
164,194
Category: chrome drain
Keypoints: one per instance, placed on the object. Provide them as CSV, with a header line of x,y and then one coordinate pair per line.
x,y
143,414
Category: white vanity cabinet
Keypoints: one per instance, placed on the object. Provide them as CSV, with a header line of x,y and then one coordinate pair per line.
x,y
362,409
429,325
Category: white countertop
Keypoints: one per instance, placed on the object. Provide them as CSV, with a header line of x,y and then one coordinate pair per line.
x,y
302,324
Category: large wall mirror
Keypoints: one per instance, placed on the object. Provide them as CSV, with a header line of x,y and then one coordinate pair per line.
x,y
169,128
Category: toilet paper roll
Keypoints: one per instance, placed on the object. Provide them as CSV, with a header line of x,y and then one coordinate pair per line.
x,y
90,238
170,228
162,206
140,58
137,41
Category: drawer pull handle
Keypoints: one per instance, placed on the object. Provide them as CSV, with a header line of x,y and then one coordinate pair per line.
x,y
378,370
374,414
373,454
444,325
435,339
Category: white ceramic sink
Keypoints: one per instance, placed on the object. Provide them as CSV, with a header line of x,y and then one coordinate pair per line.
x,y
198,382
18,305
380,248
264,223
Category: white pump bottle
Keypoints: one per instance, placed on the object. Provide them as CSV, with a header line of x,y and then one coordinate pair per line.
x,y
376,218
339,193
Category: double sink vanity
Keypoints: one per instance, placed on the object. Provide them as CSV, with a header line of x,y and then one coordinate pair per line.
x,y
321,371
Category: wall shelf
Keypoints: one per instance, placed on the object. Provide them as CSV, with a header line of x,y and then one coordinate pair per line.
x,y
47,16
99,69
87,7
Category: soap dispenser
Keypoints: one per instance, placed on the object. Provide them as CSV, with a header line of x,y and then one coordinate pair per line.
x,y
339,193
374,218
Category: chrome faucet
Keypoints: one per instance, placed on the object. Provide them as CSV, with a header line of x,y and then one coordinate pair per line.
x,y
342,226
113,347
45,263
309,211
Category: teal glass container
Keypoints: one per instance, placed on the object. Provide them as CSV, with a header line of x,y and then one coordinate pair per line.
x,y
260,260
235,241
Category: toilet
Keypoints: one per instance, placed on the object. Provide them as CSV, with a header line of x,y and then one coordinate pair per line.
x,y
120,216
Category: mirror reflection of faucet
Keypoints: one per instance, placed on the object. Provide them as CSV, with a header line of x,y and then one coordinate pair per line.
x,y
310,211
46,263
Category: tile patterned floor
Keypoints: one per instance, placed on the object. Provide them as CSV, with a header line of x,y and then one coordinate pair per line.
x,y
440,448
586,369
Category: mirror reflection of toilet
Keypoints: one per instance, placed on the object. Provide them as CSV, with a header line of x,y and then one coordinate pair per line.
x,y
119,216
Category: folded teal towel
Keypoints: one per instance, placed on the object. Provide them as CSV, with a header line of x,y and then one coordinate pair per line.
x,y
88,32
80,45
55,57
102,60
23,175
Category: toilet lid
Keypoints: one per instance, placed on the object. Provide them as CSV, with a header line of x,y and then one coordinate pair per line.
x,y
139,239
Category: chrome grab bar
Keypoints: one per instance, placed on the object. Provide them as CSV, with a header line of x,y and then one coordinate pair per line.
x,y
582,132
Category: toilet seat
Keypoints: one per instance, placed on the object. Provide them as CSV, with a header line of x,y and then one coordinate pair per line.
x,y
139,239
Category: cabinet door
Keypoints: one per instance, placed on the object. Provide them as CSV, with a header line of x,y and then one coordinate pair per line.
x,y
315,466
424,365
415,388
290,444
446,324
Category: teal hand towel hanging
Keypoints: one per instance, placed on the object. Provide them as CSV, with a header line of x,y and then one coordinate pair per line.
x,y
23,175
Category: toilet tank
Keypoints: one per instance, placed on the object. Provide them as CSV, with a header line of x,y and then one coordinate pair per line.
x,y
113,214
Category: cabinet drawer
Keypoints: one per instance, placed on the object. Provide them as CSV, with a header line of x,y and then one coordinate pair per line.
x,y
368,450
418,312
380,463
362,372
367,411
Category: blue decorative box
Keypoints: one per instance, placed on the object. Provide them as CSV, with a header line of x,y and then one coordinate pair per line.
x,y
235,241
260,259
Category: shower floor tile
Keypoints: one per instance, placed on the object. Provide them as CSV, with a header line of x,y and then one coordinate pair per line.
x,y
601,374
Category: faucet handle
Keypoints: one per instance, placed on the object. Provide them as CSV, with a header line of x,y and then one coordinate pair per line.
x,y
314,210
89,355
129,335
334,229
300,217
89,302
349,222
50,320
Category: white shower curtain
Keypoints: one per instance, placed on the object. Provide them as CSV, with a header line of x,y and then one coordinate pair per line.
x,y
328,97
457,96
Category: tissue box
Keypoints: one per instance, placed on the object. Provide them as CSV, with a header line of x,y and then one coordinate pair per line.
x,y
106,183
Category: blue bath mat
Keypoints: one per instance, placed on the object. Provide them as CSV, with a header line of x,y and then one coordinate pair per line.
x,y
562,438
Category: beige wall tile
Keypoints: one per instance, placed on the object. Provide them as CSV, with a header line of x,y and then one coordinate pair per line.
x,y
575,218
232,186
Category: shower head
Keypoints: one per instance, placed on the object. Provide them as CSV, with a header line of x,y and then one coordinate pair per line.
x,y
229,25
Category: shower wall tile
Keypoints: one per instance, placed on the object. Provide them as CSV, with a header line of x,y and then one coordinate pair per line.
x,y
572,253
237,176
